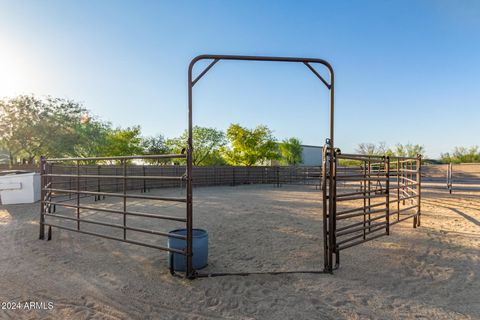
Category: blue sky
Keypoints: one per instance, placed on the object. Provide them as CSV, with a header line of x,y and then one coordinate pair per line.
x,y
406,71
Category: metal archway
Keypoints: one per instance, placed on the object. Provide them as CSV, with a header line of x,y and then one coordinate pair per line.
x,y
190,273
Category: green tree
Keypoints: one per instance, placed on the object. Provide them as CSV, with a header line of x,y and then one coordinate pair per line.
x,y
206,145
462,155
156,145
91,138
249,147
290,151
408,150
372,149
122,142
30,127
400,150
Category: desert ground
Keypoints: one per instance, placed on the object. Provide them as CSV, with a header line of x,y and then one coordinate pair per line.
x,y
431,272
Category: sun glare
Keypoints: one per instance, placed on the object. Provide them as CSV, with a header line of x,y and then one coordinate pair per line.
x,y
14,73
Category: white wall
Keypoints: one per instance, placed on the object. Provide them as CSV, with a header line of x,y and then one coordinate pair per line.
x,y
311,155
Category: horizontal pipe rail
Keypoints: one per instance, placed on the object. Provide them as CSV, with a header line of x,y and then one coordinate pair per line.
x,y
359,214
359,178
361,208
404,218
128,213
114,176
360,197
361,223
366,156
356,229
111,194
363,240
118,226
149,156
117,239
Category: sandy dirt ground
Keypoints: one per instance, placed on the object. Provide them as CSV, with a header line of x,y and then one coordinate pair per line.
x,y
431,272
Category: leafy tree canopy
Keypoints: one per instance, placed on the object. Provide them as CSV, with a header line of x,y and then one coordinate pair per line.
x,y
462,155
249,146
31,126
206,145
291,151
400,150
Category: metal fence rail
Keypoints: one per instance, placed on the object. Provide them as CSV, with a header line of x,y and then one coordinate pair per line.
x,y
108,178
363,201
53,174
463,176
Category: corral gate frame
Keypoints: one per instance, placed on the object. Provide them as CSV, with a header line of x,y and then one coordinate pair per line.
x,y
407,172
327,225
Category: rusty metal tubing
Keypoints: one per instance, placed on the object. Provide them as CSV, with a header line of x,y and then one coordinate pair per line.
x,y
124,162
42,196
409,208
111,194
356,177
361,197
412,181
359,214
117,177
78,195
406,217
190,273
360,208
148,156
387,192
357,193
419,188
331,200
359,223
118,226
360,228
115,238
362,241
324,207
409,197
129,213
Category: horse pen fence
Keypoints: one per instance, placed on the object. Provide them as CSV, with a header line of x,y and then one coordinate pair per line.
x,y
362,202
360,213
463,177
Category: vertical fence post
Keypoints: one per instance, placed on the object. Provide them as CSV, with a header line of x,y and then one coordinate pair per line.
x,y
98,183
42,197
398,189
404,185
326,264
334,210
364,189
145,181
331,208
369,193
124,163
78,194
449,178
278,176
47,182
387,190
419,187
233,176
